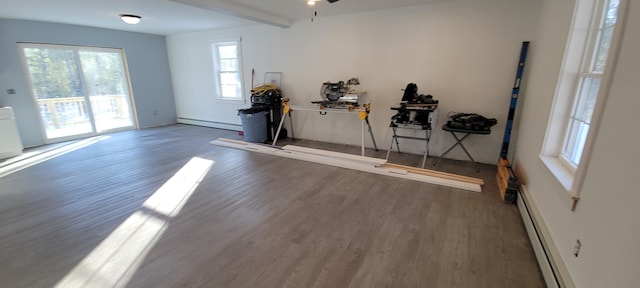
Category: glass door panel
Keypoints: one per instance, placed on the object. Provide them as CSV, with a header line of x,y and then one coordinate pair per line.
x,y
79,90
59,93
107,89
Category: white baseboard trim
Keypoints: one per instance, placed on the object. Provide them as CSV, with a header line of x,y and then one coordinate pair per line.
x,y
551,265
212,124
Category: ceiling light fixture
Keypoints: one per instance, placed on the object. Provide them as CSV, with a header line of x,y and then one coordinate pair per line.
x,y
130,19
312,4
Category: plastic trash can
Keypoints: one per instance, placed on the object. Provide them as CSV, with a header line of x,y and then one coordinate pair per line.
x,y
254,124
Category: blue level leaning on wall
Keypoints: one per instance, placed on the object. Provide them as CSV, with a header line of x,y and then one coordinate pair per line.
x,y
507,181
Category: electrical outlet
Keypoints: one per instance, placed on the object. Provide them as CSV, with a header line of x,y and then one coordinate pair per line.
x,y
155,113
576,249
11,91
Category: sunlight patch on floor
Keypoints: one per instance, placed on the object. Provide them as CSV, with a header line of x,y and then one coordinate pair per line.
x,y
117,258
167,200
29,159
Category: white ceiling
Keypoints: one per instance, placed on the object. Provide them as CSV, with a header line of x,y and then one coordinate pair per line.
x,y
174,16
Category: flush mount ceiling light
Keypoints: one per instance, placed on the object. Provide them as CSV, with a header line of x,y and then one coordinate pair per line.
x,y
313,2
130,19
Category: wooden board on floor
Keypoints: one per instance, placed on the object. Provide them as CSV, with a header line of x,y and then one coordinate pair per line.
x,y
348,161
438,174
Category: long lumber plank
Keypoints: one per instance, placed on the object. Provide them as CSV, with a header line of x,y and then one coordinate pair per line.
x,y
399,173
438,173
348,164
434,172
358,158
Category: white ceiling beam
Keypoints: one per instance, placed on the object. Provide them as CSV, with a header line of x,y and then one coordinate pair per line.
x,y
237,11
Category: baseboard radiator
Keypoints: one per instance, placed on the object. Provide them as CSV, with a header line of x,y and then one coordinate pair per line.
x,y
554,272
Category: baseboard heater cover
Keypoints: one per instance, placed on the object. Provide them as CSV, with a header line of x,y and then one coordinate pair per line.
x,y
349,161
549,268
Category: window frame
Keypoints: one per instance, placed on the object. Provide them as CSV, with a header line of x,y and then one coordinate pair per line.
x,y
217,73
589,75
579,52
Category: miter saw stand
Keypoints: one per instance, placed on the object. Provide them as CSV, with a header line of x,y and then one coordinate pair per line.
x,y
341,95
338,98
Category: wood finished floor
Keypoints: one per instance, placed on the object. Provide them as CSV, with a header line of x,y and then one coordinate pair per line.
x,y
253,221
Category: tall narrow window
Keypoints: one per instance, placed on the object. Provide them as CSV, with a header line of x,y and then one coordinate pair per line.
x,y
228,69
582,90
590,77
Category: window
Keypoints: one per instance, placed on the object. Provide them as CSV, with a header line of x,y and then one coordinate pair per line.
x,y
582,88
228,69
589,81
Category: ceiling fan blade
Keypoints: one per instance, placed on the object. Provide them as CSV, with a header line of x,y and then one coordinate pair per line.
x,y
332,1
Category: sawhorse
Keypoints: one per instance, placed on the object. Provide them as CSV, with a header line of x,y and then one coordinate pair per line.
x,y
363,115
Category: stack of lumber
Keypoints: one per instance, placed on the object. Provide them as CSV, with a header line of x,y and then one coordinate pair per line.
x,y
507,181
360,163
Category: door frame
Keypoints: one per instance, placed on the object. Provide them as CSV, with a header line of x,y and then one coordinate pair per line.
x,y
76,48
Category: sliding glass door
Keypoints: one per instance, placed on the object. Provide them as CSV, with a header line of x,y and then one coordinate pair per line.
x,y
79,91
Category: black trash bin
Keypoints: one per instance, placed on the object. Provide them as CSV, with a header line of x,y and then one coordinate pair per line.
x,y
254,124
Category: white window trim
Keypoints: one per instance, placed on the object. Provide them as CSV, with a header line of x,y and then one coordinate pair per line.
x,y
214,62
572,178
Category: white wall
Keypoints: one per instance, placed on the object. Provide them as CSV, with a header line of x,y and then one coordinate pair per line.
x,y
191,64
606,219
463,52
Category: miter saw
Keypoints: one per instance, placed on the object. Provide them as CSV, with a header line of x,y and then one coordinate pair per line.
x,y
340,95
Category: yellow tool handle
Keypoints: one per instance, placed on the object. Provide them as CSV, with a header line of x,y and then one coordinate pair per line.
x,y
362,114
285,105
